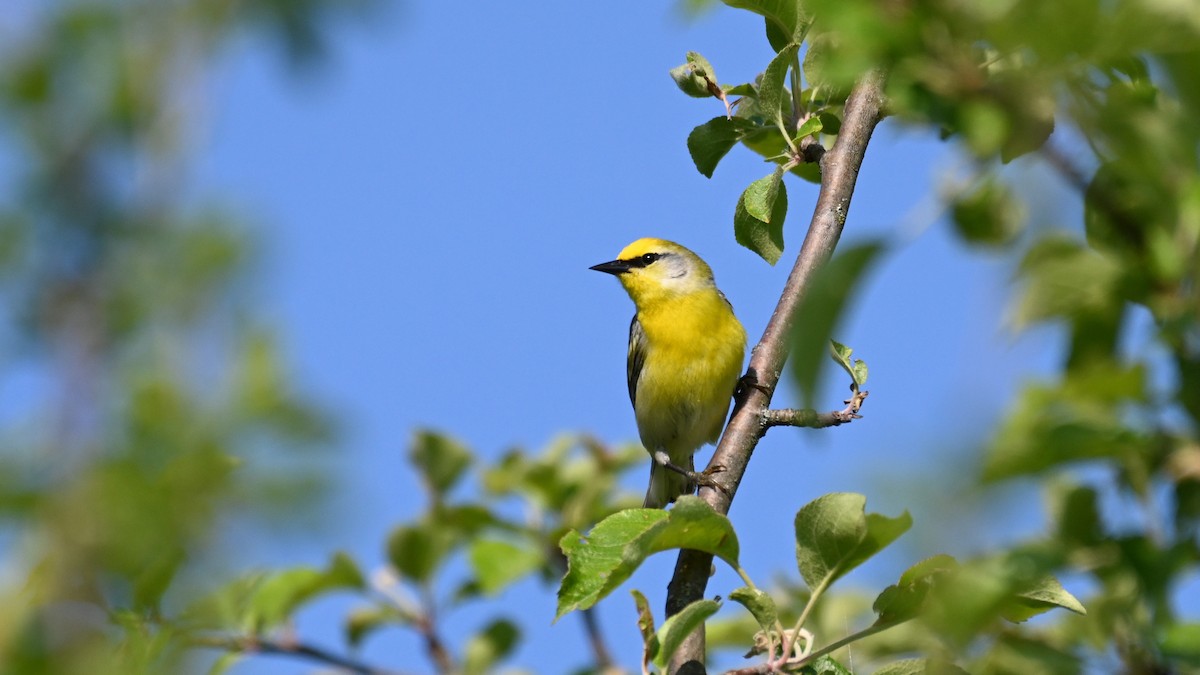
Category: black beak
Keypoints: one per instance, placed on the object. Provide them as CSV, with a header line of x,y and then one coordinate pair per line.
x,y
612,267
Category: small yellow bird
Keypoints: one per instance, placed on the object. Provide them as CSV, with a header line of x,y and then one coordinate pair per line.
x,y
685,355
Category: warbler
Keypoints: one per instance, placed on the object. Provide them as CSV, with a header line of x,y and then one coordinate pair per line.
x,y
685,355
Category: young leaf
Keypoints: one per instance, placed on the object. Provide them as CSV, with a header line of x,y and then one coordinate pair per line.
x,y
617,545
711,141
841,354
363,621
812,125
771,89
834,535
696,77
760,604
499,563
645,623
766,196
681,625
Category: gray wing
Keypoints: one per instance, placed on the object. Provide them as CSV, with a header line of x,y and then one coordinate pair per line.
x,y
637,357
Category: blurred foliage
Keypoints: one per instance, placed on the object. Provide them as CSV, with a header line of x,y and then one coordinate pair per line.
x,y
150,406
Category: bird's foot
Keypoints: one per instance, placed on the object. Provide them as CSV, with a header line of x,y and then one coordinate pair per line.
x,y
704,478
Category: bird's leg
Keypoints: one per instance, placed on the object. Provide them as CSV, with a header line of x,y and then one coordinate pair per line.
x,y
704,478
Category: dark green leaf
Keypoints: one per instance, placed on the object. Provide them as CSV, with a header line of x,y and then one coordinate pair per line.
x,y
812,125
440,459
765,196
771,88
680,625
1182,641
905,599
986,214
785,18
417,550
617,545
711,141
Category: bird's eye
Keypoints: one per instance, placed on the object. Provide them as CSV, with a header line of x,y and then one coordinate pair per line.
x,y
649,258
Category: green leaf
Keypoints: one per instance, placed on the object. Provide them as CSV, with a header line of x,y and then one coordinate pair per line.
x,y
825,665
645,623
500,563
986,214
224,662
682,624
711,141
841,355
759,603
771,87
1182,641
767,197
834,535
905,599
362,621
440,459
490,645
417,550
280,594
921,667
696,77
821,309
618,545
1042,597
785,19
812,125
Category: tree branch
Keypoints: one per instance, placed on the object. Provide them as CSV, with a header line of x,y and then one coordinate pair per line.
x,y
812,419
839,171
249,644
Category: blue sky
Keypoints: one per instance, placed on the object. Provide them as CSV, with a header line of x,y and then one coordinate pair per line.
x,y
431,198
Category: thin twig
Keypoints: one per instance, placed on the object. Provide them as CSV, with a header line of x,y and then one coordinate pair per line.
x,y
809,418
840,165
250,644
596,640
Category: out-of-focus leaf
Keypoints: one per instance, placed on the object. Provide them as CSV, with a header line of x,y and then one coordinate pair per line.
x,y
417,550
826,665
363,621
905,599
920,667
986,214
1182,641
441,460
500,563
281,593
617,545
821,310
489,646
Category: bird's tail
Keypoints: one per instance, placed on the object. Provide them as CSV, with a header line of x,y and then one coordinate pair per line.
x,y
667,485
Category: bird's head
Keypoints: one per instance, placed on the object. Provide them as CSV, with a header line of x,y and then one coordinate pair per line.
x,y
656,268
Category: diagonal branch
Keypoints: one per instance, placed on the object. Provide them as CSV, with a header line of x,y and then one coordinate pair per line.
x,y
249,644
839,170
806,417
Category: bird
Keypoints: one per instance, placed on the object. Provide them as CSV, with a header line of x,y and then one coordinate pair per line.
x,y
686,349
